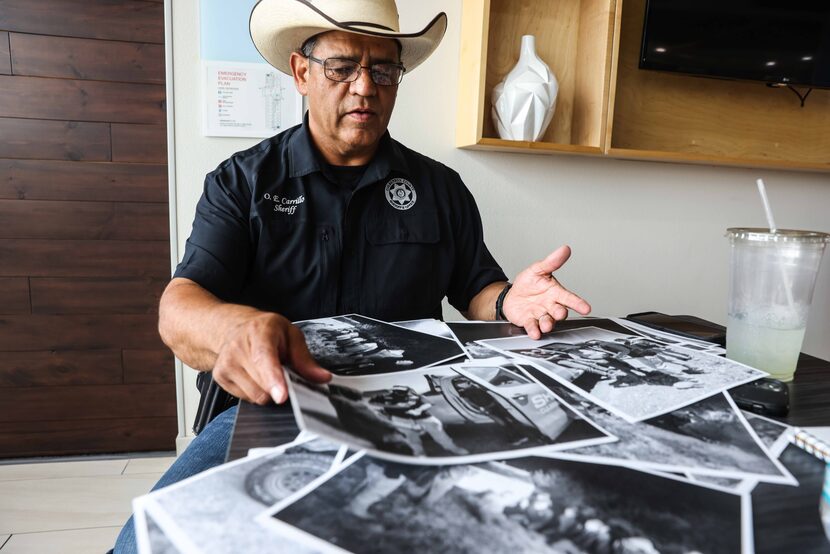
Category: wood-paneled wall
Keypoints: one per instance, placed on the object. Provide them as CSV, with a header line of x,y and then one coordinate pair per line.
x,y
84,236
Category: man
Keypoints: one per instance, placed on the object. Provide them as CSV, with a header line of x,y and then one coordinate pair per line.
x,y
331,217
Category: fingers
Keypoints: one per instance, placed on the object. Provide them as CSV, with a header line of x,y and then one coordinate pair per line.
x,y
559,313
537,326
279,392
558,299
532,328
543,316
546,323
236,381
289,346
566,298
231,388
250,362
539,293
540,321
266,369
554,261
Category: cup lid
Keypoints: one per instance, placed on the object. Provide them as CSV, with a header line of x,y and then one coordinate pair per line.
x,y
780,235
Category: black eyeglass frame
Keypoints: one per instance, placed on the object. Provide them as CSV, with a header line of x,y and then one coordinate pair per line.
x,y
360,68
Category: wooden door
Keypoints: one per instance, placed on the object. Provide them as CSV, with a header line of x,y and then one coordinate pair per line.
x,y
84,232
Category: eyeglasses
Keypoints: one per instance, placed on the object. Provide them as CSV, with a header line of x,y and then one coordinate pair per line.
x,y
344,70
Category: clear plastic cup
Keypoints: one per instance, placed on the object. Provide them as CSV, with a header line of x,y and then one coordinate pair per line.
x,y
772,279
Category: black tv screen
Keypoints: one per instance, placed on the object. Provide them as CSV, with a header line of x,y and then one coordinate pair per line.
x,y
776,41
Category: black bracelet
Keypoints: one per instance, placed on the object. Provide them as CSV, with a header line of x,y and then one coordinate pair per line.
x,y
500,303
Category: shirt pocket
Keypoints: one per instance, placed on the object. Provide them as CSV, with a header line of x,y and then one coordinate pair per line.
x,y
282,242
288,270
403,255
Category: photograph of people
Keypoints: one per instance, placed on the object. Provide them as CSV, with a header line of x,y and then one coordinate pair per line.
x,y
632,376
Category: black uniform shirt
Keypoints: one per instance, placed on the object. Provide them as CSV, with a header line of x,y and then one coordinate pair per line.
x,y
279,229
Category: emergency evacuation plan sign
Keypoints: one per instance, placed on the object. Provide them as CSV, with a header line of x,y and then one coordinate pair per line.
x,y
243,96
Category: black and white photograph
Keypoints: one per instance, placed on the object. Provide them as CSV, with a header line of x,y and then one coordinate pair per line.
x,y
156,530
359,345
772,433
671,338
150,537
634,377
469,332
804,529
434,327
438,415
190,511
725,484
710,437
526,399
736,486
523,505
159,543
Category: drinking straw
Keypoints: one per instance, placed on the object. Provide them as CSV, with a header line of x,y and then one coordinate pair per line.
x,y
762,189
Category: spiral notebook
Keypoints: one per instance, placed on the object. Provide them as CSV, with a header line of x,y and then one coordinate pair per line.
x,y
814,440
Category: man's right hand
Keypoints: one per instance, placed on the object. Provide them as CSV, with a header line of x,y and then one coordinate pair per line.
x,y
249,364
246,348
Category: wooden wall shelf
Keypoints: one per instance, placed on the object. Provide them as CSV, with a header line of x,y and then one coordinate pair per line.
x,y
609,107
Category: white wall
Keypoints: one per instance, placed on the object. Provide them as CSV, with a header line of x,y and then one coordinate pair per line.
x,y
645,235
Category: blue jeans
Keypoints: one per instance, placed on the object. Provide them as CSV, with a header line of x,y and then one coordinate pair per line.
x,y
207,450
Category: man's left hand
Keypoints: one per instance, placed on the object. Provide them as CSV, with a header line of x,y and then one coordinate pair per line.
x,y
537,300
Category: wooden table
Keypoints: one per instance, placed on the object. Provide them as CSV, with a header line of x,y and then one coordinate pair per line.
x,y
786,519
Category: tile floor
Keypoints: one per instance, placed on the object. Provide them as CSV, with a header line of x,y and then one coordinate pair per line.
x,y
71,507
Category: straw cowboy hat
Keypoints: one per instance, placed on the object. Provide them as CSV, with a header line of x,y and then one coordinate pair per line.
x,y
279,27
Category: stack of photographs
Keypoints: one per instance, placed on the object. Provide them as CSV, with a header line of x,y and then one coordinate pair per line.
x,y
215,511
602,436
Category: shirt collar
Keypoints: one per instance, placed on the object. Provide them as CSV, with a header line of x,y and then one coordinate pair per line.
x,y
387,159
302,154
304,158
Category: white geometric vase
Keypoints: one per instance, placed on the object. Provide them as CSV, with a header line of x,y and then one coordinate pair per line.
x,y
523,103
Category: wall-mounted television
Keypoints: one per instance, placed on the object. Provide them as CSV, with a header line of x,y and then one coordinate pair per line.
x,y
775,41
